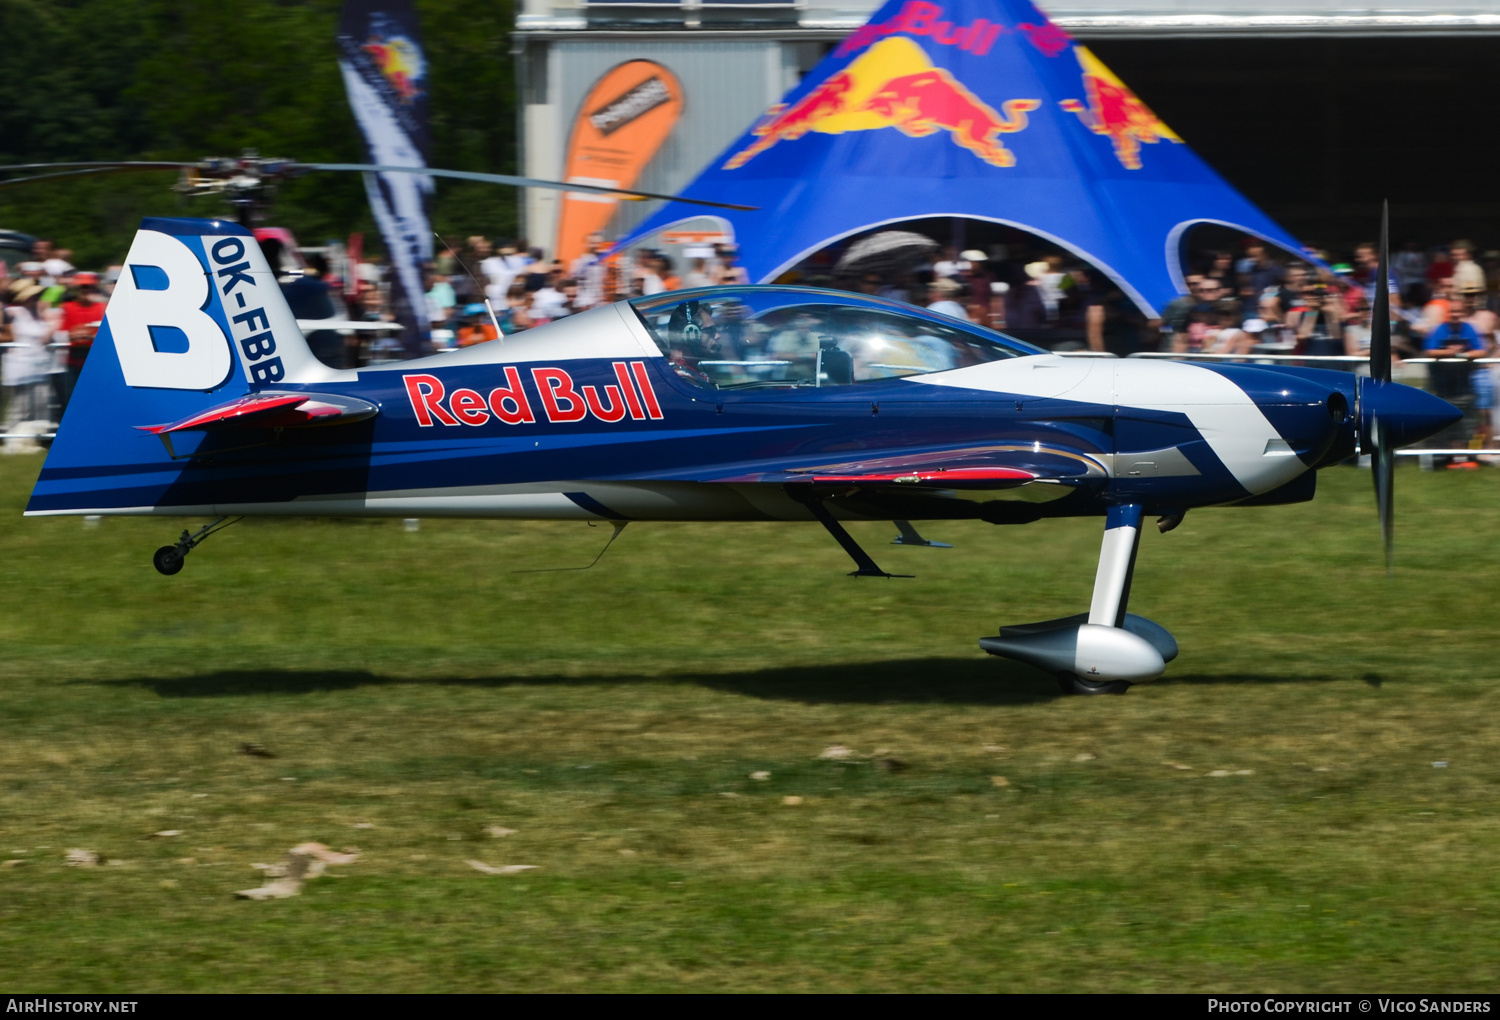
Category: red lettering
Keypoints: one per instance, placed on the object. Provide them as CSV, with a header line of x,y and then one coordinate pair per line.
x,y
647,393
917,17
556,388
426,394
469,407
972,34
861,37
631,400
983,46
616,409
520,408
945,34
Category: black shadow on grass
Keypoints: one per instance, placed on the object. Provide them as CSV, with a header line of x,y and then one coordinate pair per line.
x,y
934,680
1195,679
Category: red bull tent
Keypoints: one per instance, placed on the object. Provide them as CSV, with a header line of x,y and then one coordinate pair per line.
x,y
981,109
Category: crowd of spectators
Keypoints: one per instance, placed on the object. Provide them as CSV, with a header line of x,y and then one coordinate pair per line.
x,y
49,313
526,289
1254,301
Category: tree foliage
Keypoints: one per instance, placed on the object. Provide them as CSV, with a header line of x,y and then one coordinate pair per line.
x,y
183,79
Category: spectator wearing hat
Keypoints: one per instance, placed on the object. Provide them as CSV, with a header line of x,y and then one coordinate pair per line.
x,y
977,279
942,296
24,368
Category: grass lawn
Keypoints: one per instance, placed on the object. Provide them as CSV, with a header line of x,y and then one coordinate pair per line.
x,y
1267,817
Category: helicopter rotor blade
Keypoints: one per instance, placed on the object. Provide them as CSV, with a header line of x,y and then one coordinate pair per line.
x,y
520,182
74,174
99,165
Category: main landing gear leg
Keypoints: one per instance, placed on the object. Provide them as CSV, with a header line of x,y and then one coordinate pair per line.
x,y
169,558
1107,650
814,503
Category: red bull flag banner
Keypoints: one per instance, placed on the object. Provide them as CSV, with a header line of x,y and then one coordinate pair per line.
x,y
385,76
981,109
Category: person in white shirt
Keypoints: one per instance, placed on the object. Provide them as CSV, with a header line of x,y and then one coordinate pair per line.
x,y
500,271
26,366
697,275
590,272
554,301
941,299
951,265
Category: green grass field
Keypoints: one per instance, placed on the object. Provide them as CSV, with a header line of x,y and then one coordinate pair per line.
x,y
419,687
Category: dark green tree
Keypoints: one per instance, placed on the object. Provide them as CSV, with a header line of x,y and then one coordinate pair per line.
x,y
183,79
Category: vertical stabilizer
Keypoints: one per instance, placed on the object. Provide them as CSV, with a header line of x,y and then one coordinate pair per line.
x,y
196,319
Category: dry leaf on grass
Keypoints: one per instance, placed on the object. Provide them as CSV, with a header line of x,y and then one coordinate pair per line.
x,y
1085,756
791,801
304,862
83,859
999,781
836,752
760,776
165,833
322,853
508,869
500,831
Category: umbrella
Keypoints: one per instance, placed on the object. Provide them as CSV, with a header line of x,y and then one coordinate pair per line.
x,y
889,249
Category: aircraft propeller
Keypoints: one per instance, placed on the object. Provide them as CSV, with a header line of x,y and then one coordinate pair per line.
x,y
1374,434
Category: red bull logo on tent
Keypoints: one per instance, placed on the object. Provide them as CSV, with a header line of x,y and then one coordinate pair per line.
x,y
1113,110
894,85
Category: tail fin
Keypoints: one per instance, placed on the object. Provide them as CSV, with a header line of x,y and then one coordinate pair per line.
x,y
196,319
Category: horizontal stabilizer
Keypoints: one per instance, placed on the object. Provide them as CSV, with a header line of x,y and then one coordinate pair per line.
x,y
271,410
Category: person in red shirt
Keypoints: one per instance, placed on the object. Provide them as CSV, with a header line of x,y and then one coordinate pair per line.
x,y
80,317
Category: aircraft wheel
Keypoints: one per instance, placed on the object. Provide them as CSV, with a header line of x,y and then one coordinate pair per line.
x,y
1072,683
167,560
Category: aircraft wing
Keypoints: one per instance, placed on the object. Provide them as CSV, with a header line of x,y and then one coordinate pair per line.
x,y
996,466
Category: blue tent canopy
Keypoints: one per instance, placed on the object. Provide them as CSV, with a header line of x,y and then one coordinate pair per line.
x,y
982,109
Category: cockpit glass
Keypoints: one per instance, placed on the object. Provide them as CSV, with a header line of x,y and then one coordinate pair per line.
x,y
744,337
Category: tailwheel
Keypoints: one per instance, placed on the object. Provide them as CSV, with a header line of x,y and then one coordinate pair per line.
x,y
1072,683
167,560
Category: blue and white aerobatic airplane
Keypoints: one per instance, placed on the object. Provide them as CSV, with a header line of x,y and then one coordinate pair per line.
x,y
201,397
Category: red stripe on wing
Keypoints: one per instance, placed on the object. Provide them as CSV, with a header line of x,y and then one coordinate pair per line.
x,y
939,475
224,414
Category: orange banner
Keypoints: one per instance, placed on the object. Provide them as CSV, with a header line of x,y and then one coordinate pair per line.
x,y
625,118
